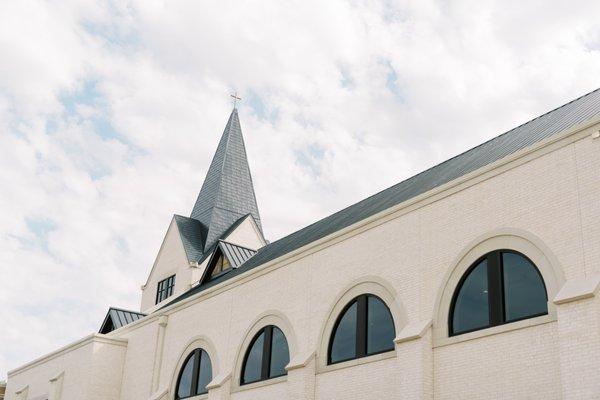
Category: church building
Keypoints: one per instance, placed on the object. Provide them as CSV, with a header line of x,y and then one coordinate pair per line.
x,y
475,279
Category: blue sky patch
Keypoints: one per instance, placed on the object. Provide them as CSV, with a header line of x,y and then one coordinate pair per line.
x,y
310,158
262,111
392,83
40,227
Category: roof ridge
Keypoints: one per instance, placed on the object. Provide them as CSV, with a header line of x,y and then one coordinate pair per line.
x,y
504,133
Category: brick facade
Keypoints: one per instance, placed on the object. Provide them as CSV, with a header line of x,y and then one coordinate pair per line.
x,y
549,193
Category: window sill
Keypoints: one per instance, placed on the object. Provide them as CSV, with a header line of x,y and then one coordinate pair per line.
x,y
526,323
356,361
255,385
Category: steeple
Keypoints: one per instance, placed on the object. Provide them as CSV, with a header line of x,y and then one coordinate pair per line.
x,y
227,193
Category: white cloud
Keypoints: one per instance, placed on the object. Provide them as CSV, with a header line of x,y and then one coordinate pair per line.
x,y
110,113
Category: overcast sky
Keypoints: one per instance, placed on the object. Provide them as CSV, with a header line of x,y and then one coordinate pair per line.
x,y
110,113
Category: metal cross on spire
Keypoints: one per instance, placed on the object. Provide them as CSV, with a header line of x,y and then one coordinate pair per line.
x,y
235,98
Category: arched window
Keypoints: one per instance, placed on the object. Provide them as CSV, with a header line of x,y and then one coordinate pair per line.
x,y
195,374
501,287
266,357
365,327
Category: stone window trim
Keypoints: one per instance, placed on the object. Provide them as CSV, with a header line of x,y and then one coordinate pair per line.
x,y
205,344
518,240
367,285
271,317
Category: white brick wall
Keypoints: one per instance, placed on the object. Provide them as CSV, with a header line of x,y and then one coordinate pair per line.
x,y
92,371
553,197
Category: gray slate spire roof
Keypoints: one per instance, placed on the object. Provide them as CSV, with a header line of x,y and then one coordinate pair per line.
x,y
227,193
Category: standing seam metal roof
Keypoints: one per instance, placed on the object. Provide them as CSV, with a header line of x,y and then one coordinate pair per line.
x,y
519,138
236,254
120,318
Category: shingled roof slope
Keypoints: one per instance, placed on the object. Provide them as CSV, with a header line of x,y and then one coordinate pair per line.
x,y
519,138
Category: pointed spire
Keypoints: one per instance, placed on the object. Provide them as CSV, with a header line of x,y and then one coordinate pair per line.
x,y
227,193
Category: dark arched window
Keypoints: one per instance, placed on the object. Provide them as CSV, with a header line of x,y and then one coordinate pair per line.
x,y
365,327
195,374
501,287
266,357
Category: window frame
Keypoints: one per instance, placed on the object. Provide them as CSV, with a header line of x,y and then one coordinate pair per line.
x,y
496,295
197,353
165,289
362,318
265,368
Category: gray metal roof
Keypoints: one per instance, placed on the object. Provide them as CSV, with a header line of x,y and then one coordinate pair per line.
x,y
236,254
519,138
227,193
117,318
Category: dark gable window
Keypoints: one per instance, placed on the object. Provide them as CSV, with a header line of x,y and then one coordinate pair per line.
x,y
365,327
222,264
165,289
266,357
194,376
501,287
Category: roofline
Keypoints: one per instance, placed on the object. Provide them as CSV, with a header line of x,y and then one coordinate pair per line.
x,y
556,141
94,337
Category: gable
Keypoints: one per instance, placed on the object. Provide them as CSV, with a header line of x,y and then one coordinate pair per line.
x,y
170,260
246,234
226,257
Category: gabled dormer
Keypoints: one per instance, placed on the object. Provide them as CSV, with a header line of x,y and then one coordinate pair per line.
x,y
172,270
226,257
